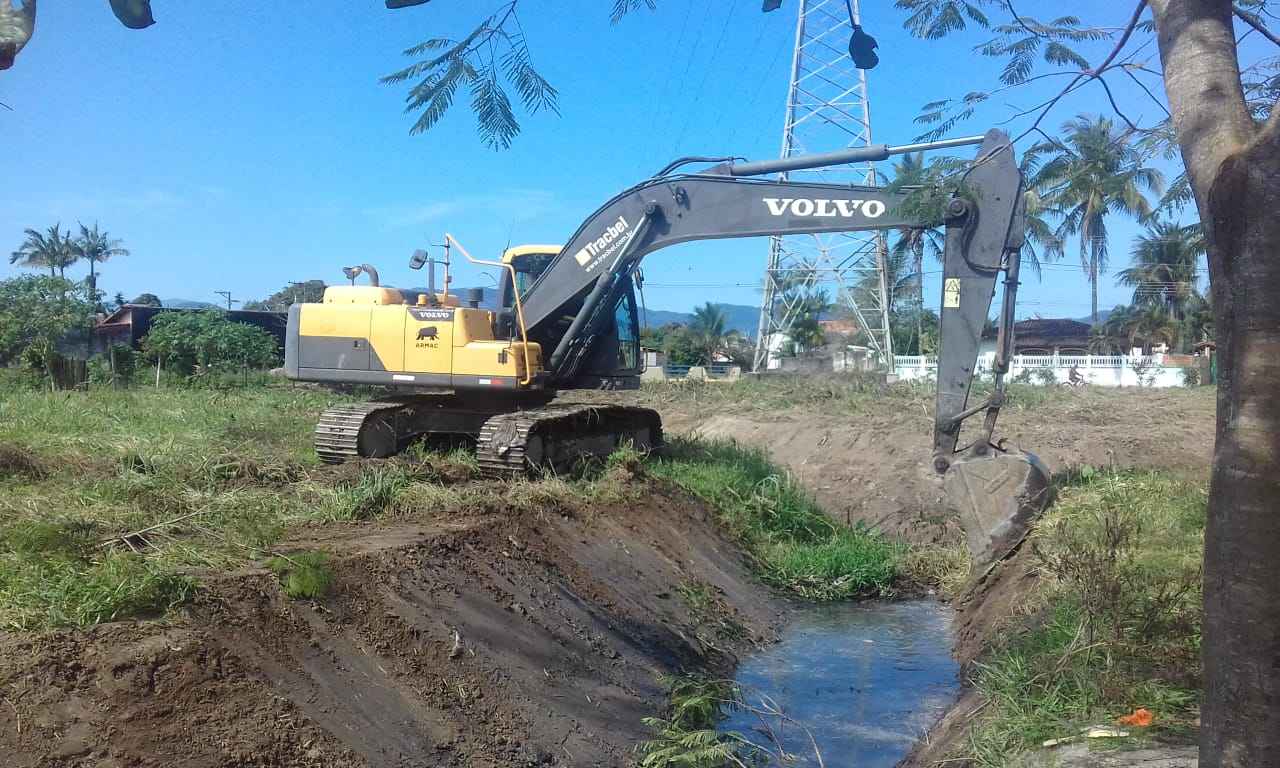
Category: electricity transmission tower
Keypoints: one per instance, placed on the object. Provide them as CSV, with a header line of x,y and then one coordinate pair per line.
x,y
827,109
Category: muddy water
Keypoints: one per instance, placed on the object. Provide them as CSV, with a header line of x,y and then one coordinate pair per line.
x,y
866,680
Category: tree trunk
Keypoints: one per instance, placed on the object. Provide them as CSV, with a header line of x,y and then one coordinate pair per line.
x,y
1241,644
1234,167
1093,277
919,267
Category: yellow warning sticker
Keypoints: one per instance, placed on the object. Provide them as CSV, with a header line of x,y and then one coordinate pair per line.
x,y
951,293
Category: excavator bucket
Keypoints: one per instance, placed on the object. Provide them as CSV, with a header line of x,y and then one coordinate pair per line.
x,y
997,495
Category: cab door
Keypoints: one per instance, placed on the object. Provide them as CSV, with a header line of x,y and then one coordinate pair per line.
x,y
626,322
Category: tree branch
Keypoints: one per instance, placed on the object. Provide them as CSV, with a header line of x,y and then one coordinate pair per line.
x,y
1146,90
1255,22
1115,107
1009,5
1124,38
1091,74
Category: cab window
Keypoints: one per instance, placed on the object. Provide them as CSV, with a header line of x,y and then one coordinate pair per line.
x,y
529,267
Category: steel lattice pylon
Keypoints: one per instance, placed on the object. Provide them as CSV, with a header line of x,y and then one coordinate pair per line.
x,y
827,109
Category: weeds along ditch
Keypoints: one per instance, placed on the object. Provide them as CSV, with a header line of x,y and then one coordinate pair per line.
x,y
1114,625
793,543
1111,628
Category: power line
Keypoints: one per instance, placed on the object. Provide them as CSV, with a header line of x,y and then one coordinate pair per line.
x,y
667,108
784,45
715,52
666,81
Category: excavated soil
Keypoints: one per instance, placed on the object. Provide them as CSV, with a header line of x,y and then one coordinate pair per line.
x,y
874,466
522,638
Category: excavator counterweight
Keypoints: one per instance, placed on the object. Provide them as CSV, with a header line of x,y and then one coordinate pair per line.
x,y
566,319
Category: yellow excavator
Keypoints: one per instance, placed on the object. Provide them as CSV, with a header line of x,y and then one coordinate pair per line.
x,y
566,319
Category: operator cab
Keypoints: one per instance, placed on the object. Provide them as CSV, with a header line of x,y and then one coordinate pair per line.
x,y
617,352
528,262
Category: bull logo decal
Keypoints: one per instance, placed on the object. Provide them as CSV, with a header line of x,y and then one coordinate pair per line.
x,y
429,332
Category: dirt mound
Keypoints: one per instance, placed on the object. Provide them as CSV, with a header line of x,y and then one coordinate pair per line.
x,y
528,638
873,465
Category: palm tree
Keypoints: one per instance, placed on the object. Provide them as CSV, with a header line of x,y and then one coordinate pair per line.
x,y
95,247
51,249
1166,266
1035,212
1155,325
709,325
912,172
1135,325
1094,172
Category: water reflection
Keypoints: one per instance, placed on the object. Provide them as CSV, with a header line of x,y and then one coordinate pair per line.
x,y
866,679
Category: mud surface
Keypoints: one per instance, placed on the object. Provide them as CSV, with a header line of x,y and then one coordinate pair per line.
x,y
531,638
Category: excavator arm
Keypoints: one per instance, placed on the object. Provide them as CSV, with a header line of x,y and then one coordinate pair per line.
x,y
996,491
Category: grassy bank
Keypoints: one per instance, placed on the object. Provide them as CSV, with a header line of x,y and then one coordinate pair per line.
x,y
1114,625
795,545
110,500
201,479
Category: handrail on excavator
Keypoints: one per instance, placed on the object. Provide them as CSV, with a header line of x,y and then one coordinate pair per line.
x,y
515,293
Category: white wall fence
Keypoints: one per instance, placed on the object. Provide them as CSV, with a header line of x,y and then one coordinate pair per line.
x,y
1099,370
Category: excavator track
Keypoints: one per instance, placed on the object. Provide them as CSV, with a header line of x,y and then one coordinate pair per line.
x,y
338,433
558,436
552,437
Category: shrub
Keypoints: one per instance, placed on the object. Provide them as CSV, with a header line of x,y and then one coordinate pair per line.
x,y
1120,627
35,312
207,339
303,575
1191,377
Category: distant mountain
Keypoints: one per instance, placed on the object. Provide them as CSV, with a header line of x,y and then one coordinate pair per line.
x,y
1103,314
188,304
738,317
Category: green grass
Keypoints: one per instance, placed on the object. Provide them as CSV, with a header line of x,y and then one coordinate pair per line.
x,y
1119,626
303,575
794,544
110,498
847,393
221,475
686,736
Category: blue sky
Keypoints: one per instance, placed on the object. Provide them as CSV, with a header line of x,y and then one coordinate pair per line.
x,y
239,145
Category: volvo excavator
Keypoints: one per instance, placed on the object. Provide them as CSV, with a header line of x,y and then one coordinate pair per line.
x,y
566,319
